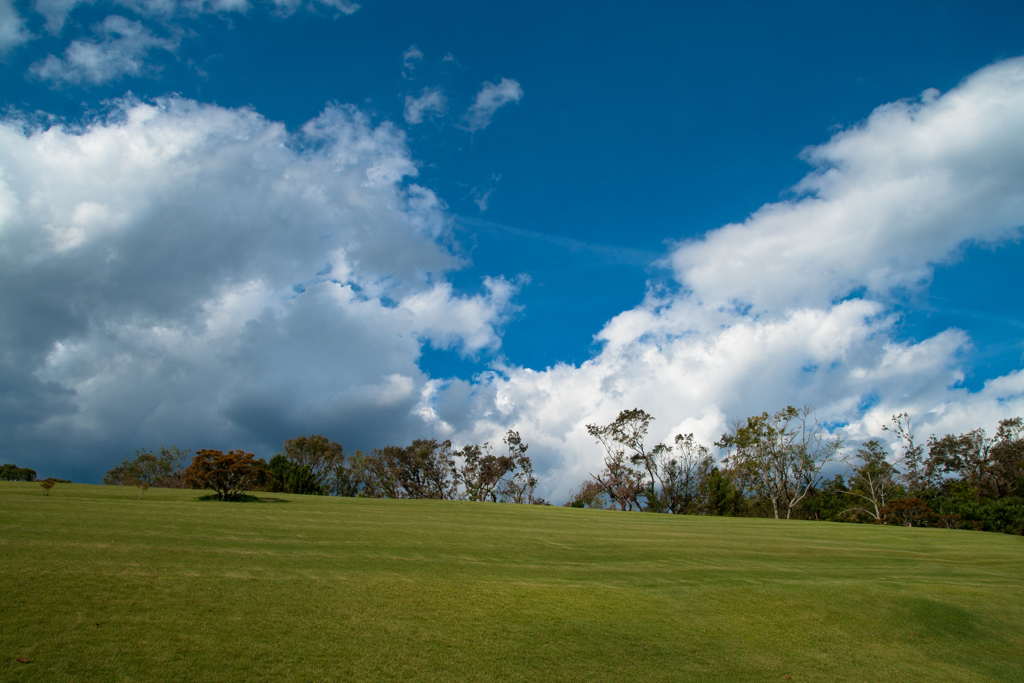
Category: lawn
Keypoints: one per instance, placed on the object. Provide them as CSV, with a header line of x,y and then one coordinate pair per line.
x,y
98,585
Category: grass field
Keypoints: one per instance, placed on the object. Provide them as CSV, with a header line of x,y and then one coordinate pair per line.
x,y
98,585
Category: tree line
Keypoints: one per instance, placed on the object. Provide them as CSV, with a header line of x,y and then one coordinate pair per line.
x,y
775,465
768,465
315,465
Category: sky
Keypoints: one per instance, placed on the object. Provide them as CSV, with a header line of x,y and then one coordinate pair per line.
x,y
225,223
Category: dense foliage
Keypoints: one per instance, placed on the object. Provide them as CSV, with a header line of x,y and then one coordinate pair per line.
x,y
11,472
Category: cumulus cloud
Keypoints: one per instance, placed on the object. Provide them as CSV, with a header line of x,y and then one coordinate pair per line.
x,y
887,199
122,51
766,315
431,101
492,96
187,273
12,27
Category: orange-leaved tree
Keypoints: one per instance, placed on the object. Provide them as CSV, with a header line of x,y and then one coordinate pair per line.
x,y
228,474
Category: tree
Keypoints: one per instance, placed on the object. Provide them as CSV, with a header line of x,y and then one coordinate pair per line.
x,y
163,468
47,484
284,476
365,476
623,443
723,500
684,473
874,479
322,456
227,474
781,455
992,467
906,512
520,486
11,472
590,495
912,459
1006,470
425,469
482,472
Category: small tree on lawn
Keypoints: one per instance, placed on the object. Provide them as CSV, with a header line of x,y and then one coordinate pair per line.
x,y
227,474
47,484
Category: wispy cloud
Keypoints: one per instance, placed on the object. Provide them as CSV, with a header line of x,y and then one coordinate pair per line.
x,y
601,252
492,96
122,51
431,101
410,60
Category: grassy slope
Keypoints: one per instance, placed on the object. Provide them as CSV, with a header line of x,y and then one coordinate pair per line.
x,y
97,585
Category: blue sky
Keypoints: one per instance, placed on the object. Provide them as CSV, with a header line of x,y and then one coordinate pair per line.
x,y
539,224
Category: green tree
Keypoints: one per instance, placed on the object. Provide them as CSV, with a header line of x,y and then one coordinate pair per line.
x,y
11,472
284,476
781,456
684,474
482,472
911,460
320,455
723,500
164,468
874,480
519,487
624,445
1006,469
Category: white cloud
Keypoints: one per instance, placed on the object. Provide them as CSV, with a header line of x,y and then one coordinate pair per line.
x,y
492,96
888,199
123,50
288,7
431,101
12,27
464,323
410,60
188,273
343,6
56,12
760,322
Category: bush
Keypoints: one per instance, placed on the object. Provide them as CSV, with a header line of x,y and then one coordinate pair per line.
x,y
908,512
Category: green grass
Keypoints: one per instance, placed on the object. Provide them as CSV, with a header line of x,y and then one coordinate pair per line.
x,y
97,585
